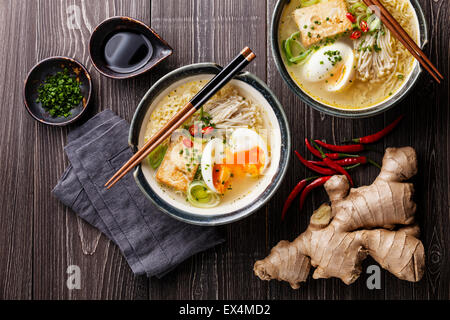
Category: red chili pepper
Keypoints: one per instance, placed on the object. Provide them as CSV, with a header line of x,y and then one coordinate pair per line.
x,y
363,25
351,161
380,134
355,35
358,160
348,163
339,169
298,188
350,17
313,167
188,143
346,167
311,149
338,155
207,130
331,164
344,148
333,156
315,184
193,130
343,162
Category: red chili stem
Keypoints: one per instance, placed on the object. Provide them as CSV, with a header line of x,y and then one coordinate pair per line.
x,y
311,149
352,167
374,163
294,193
322,154
350,148
313,167
313,185
380,134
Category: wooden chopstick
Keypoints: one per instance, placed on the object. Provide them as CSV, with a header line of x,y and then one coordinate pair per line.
x,y
152,140
214,85
135,160
397,30
405,35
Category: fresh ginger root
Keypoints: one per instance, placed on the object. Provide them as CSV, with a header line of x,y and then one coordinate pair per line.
x,y
358,223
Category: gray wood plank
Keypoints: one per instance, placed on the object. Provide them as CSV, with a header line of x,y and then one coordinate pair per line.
x,y
16,159
60,238
39,237
428,130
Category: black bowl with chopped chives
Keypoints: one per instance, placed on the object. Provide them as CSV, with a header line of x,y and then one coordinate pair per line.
x,y
57,91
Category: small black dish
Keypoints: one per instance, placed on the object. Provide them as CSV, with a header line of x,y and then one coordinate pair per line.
x,y
39,74
154,47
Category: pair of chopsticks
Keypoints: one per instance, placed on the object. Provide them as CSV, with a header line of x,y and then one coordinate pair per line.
x,y
211,88
392,24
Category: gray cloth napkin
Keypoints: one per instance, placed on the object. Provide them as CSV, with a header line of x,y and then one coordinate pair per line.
x,y
152,242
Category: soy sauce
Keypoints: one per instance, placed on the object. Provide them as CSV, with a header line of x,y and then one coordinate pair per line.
x,y
127,51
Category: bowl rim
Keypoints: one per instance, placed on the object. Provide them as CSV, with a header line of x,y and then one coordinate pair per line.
x,y
274,184
321,107
139,71
88,98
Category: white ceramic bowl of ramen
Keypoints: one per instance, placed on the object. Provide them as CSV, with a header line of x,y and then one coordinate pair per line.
x,y
193,197
380,71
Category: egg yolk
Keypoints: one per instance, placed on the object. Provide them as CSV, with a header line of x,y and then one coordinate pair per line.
x,y
337,75
237,165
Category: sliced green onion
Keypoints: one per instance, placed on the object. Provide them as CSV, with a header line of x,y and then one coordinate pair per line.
x,y
283,48
199,195
373,22
358,20
301,56
287,48
356,6
203,114
288,43
156,156
307,3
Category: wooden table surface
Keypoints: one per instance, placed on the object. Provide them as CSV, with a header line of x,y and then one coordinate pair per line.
x,y
39,237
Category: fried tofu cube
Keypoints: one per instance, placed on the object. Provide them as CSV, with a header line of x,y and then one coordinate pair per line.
x,y
178,167
322,20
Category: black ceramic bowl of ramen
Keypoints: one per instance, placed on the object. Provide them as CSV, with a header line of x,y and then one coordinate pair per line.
x,y
280,20
253,198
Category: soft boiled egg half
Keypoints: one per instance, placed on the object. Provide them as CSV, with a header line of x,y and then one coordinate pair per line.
x,y
245,156
332,64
